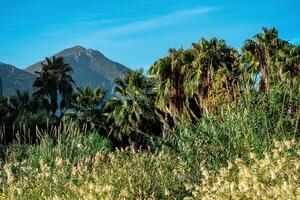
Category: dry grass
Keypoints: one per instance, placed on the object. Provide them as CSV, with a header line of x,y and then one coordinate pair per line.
x,y
142,175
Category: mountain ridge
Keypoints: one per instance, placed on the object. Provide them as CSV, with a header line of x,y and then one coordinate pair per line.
x,y
90,67
14,79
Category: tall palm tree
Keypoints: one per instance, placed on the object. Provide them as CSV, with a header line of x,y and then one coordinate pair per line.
x,y
214,68
287,61
169,73
1,87
131,113
3,110
55,81
89,109
21,102
25,112
262,49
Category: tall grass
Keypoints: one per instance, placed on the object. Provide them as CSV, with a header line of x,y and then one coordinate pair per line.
x,y
126,174
251,125
210,160
66,141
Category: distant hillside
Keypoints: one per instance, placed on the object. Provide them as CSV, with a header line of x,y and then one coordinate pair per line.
x,y
1,87
89,67
1,92
14,78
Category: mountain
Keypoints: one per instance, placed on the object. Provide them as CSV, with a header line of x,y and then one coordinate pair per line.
x,y
13,78
1,87
90,67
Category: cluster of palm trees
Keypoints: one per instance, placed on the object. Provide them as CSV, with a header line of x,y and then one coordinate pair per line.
x,y
211,73
179,88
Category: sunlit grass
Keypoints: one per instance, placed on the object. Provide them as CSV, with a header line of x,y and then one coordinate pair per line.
x,y
126,174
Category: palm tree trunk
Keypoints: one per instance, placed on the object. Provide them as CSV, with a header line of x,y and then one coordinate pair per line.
x,y
265,70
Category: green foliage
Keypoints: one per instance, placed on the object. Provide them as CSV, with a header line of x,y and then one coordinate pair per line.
x,y
88,109
3,109
188,78
98,142
199,108
65,141
55,81
131,114
181,88
251,126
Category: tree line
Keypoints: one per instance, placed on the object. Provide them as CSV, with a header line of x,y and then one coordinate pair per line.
x,y
179,88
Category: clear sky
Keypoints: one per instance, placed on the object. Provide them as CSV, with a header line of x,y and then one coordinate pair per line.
x,y
134,32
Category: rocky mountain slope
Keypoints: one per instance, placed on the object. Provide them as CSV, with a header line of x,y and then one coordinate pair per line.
x,y
90,67
13,78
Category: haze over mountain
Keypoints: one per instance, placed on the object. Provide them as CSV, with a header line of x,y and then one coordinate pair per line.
x,y
14,78
90,67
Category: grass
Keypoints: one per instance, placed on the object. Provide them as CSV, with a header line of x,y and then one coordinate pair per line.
x,y
209,161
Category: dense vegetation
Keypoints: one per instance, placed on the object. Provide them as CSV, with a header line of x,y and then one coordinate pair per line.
x,y
207,122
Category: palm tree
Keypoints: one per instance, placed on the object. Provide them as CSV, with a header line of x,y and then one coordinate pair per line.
x,y
25,113
1,87
169,73
215,69
261,50
3,110
131,113
21,102
287,61
55,81
89,107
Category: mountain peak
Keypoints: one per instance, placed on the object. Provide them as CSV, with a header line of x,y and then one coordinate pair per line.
x,y
13,78
90,67
78,47
73,50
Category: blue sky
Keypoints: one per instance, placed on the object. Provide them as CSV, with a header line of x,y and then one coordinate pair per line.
x,y
134,32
